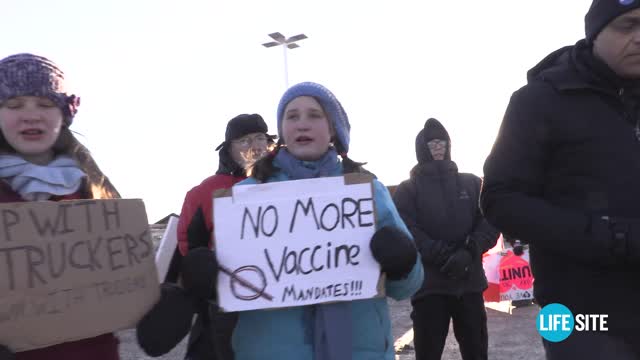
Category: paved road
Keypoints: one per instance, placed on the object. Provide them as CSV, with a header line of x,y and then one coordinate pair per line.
x,y
512,336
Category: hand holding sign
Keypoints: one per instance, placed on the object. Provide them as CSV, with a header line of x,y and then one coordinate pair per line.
x,y
200,275
395,252
167,323
200,271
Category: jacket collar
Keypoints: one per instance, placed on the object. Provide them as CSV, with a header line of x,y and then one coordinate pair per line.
x,y
576,68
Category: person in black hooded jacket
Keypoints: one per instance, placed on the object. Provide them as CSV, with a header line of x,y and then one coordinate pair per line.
x,y
440,208
564,176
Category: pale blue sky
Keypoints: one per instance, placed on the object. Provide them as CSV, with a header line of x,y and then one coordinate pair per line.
x,y
160,79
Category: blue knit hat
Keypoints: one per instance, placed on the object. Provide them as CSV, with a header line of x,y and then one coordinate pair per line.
x,y
330,105
32,75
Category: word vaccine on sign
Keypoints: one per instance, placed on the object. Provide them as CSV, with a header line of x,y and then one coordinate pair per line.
x,y
296,243
555,322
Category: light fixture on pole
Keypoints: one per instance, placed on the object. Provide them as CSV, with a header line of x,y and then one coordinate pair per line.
x,y
286,43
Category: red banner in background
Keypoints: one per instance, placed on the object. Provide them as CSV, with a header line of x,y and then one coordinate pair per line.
x,y
516,280
509,275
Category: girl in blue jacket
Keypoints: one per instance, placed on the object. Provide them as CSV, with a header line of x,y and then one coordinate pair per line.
x,y
314,129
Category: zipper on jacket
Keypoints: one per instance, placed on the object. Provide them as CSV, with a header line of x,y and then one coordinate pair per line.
x,y
449,208
630,115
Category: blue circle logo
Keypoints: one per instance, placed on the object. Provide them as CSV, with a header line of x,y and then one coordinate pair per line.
x,y
555,322
626,2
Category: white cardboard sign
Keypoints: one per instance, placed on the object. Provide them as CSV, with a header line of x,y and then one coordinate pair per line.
x,y
295,243
167,248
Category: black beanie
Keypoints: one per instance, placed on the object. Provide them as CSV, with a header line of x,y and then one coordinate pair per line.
x,y
433,129
242,125
602,12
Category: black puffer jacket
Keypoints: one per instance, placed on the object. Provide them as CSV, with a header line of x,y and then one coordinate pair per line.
x,y
566,154
440,208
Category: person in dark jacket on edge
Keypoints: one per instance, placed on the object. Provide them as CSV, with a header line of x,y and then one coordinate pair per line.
x,y
440,208
564,176
246,140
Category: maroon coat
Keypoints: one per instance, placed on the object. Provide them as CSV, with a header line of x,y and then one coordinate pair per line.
x,y
102,347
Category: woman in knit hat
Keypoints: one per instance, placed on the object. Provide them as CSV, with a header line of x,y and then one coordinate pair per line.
x,y
40,159
314,132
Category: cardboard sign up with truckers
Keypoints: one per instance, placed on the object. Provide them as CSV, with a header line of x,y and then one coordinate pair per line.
x,y
295,243
73,269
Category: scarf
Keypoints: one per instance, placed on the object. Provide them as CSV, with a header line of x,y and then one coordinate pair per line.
x,y
332,322
297,169
39,182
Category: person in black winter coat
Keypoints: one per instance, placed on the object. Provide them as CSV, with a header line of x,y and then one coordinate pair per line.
x,y
440,208
564,176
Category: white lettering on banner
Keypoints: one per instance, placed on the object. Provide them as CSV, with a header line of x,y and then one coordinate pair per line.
x,y
295,243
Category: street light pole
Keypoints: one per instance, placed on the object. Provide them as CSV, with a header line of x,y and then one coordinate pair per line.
x,y
286,68
286,43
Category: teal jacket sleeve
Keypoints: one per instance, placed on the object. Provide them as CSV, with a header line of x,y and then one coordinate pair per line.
x,y
387,215
248,181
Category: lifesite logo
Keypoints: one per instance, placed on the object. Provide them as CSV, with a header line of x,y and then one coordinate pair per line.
x,y
555,322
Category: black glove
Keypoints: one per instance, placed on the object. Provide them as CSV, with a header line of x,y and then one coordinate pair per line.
x,y
200,273
395,252
5,353
457,266
621,236
197,233
473,248
199,266
167,323
436,253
